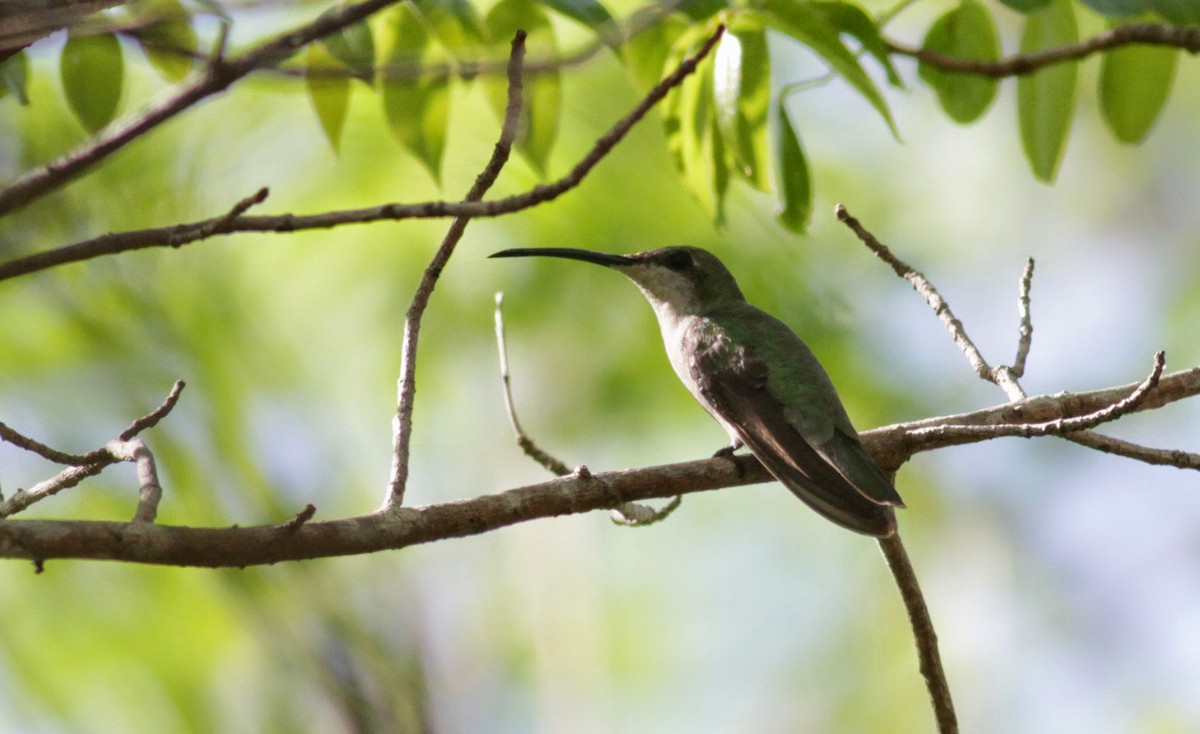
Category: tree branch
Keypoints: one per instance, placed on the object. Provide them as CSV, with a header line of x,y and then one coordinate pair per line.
x,y
182,234
217,75
126,447
406,387
1152,34
401,527
923,632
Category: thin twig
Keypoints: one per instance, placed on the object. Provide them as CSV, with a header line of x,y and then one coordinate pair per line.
x,y
218,74
638,515
182,234
1153,34
20,440
552,464
918,281
1007,378
301,517
1025,327
124,448
406,386
1059,426
923,632
149,489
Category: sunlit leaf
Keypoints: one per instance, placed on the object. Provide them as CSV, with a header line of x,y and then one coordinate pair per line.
x,y
168,39
14,76
1135,82
92,69
538,124
416,105
354,46
811,26
966,32
1046,98
329,90
793,187
741,98
1026,6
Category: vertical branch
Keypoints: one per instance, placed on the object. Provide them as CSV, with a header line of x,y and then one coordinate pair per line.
x,y
406,386
923,632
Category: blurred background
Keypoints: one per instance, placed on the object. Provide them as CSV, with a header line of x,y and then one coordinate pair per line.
x,y
1064,583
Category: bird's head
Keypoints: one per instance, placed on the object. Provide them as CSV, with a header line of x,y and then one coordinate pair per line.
x,y
678,281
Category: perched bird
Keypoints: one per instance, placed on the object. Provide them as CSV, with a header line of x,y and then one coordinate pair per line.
x,y
758,379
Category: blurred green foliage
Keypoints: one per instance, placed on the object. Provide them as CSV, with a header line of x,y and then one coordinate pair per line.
x,y
743,612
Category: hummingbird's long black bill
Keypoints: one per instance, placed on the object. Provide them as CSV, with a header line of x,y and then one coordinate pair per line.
x,y
569,253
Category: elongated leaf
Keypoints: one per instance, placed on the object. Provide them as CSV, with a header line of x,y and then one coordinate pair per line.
x,y
354,46
1120,8
793,187
14,77
167,39
966,32
417,110
690,123
1026,6
810,26
93,71
851,19
646,52
329,92
459,28
741,98
591,14
1135,82
1181,12
1046,98
538,124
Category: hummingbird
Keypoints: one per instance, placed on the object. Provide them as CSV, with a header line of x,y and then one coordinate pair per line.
x,y
763,384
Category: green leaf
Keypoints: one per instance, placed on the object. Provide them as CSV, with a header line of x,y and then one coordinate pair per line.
x,y
811,26
1182,12
459,28
793,188
967,32
167,39
1046,98
1134,84
1119,8
538,125
329,91
691,133
853,20
417,109
354,46
741,100
92,69
646,52
1026,6
14,76
591,14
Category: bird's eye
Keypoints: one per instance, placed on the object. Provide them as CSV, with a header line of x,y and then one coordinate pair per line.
x,y
679,260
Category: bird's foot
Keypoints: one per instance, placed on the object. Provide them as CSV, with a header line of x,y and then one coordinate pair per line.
x,y
726,452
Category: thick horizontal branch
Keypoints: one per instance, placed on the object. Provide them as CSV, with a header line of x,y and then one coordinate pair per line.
x,y
1152,34
41,540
